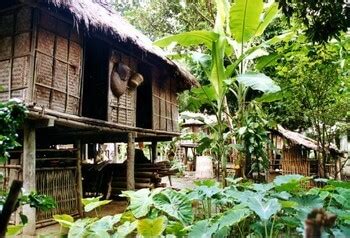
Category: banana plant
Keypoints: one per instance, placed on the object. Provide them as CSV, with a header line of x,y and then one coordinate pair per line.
x,y
232,38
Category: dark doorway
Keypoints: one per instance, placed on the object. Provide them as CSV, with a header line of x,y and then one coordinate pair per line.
x,y
95,91
144,98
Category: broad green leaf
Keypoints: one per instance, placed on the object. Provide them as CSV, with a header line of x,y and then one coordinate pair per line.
x,y
79,228
202,229
270,97
306,203
207,183
266,60
279,180
87,201
222,16
189,38
245,18
263,209
125,229
175,204
263,188
93,205
288,204
232,217
140,201
104,224
151,227
13,230
258,81
269,14
217,75
64,220
176,228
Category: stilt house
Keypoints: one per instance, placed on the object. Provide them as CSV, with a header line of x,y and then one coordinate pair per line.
x,y
294,153
87,76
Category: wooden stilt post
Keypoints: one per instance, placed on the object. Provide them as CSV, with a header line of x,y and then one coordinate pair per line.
x,y
130,163
79,178
154,151
29,181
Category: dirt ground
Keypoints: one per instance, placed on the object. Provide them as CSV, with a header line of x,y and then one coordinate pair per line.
x,y
119,206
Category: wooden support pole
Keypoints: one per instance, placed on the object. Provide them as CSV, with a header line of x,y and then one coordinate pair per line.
x,y
79,178
154,151
130,163
29,181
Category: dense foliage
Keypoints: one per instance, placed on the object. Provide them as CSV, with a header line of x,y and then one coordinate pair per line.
x,y
12,115
242,209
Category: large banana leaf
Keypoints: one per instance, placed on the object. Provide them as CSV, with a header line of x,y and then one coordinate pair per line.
x,y
222,16
217,75
245,19
258,81
189,38
269,15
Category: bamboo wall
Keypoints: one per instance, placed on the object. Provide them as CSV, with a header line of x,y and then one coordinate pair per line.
x,y
58,61
122,110
15,52
164,103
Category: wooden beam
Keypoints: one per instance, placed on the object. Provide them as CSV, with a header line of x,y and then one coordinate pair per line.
x,y
154,151
43,123
79,181
130,163
29,182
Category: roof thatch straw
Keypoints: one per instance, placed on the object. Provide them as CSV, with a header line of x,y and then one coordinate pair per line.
x,y
299,139
96,16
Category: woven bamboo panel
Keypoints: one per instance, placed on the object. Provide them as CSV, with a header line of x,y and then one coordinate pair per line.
x,y
73,105
42,96
22,44
58,65
294,163
59,184
5,47
6,24
165,108
4,78
62,48
58,100
123,109
60,82
44,69
23,22
46,41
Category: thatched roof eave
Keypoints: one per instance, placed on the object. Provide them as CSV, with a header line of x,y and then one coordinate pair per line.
x,y
299,139
96,17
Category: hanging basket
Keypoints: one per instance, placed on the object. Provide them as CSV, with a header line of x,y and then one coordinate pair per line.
x,y
119,79
135,80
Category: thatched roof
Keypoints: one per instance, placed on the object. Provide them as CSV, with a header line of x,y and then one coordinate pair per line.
x,y
299,139
97,16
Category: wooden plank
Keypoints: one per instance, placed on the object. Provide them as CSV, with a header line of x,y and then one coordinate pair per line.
x,y
29,181
130,163
79,181
154,151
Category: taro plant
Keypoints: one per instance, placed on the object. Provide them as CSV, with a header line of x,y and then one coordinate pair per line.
x,y
242,209
229,50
